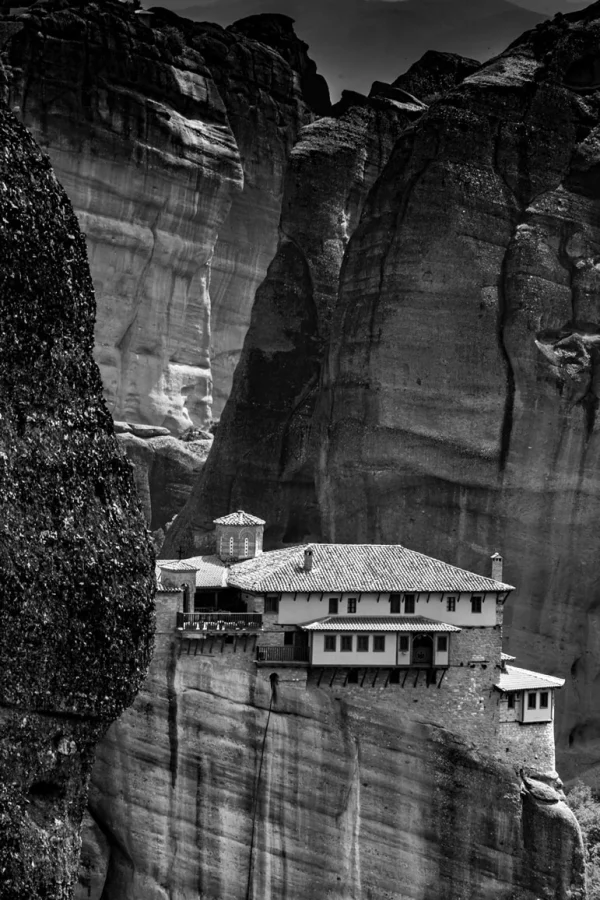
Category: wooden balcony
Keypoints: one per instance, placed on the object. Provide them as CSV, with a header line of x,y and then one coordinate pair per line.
x,y
219,621
282,655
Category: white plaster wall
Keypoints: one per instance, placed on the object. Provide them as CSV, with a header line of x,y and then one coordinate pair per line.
x,y
308,607
537,714
320,657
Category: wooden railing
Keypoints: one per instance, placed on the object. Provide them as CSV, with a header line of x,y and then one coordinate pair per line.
x,y
282,654
219,621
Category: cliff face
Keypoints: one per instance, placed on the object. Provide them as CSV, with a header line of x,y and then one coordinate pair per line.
x,y
265,449
463,418
456,412
208,787
77,575
171,142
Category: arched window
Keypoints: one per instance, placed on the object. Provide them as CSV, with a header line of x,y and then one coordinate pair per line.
x,y
246,547
231,546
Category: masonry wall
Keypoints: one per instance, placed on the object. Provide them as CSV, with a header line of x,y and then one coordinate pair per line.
x,y
527,746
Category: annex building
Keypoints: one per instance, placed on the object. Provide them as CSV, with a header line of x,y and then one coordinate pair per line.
x,y
368,619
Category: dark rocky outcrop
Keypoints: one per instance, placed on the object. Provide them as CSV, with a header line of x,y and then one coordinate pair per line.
x,y
435,74
457,410
76,564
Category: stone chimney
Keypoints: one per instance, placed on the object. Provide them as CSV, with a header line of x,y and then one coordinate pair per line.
x,y
497,567
308,559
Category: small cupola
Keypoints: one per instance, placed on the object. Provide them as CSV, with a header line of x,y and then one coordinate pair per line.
x,y
239,535
497,564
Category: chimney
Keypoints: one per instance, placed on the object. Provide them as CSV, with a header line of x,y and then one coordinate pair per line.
x,y
497,567
308,559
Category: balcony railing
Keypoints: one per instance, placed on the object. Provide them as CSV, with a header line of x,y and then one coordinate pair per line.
x,y
282,654
219,621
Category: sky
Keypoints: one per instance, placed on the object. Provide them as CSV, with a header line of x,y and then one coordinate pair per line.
x,y
356,42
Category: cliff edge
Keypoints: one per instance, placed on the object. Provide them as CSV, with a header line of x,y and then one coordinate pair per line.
x,y
76,606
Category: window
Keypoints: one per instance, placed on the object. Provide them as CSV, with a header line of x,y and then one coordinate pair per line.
x,y
288,638
362,643
403,643
351,605
333,606
330,643
511,701
346,643
475,604
379,643
231,546
409,604
395,603
531,698
246,547
442,644
544,700
451,604
271,603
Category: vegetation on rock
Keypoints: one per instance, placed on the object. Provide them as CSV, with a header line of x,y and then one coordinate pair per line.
x,y
76,563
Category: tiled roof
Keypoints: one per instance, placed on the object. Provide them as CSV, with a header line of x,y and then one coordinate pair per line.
x,y
378,623
355,567
514,679
506,658
175,565
210,570
239,518
162,588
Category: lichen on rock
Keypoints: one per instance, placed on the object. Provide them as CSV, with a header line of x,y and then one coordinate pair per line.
x,y
76,564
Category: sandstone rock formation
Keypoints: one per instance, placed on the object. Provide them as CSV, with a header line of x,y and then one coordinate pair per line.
x,y
164,469
457,409
208,787
331,170
171,139
75,560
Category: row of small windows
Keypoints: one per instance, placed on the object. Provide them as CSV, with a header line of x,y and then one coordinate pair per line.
x,y
532,700
271,604
363,640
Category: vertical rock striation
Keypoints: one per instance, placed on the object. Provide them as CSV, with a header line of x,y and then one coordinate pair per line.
x,y
75,561
352,800
458,408
156,126
457,411
264,449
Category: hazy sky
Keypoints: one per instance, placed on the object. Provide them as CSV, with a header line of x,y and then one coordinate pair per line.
x,y
355,42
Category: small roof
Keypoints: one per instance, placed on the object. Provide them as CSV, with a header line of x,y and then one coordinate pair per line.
x,y
239,518
355,567
378,623
514,679
162,588
175,565
505,657
211,572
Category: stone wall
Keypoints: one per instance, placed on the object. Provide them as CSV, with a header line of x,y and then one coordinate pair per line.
x,y
528,745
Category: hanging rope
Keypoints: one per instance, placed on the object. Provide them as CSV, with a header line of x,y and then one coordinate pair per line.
x,y
257,782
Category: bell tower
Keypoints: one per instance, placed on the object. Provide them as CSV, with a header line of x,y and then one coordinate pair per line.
x,y
239,535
